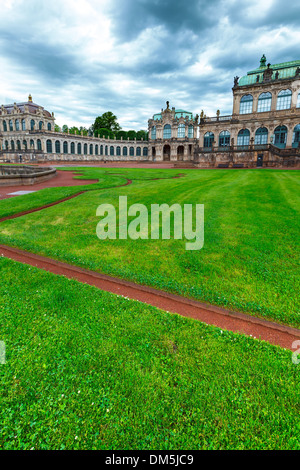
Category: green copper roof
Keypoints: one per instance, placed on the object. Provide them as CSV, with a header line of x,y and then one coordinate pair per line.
x,y
178,113
285,70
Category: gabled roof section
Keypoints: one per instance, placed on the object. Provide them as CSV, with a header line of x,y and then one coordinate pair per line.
x,y
284,69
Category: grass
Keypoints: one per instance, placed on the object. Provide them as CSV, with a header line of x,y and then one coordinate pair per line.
x,y
90,370
250,259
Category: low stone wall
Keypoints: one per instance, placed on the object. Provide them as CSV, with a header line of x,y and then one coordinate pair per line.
x,y
16,175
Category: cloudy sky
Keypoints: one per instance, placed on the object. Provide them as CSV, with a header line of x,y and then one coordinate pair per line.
x,y
81,58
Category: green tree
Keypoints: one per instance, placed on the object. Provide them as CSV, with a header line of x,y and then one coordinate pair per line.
x,y
142,135
121,134
108,121
106,133
64,128
131,134
57,128
74,130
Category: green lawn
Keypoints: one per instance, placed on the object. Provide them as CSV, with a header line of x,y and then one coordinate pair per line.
x,y
250,259
90,370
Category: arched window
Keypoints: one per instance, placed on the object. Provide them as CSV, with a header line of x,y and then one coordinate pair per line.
x,y
138,151
96,149
296,136
49,126
6,145
131,151
25,144
85,149
32,124
153,132
91,149
209,138
118,151
224,139
31,143
111,150
101,149
12,145
18,145
181,131
106,149
65,147
79,148
298,101
39,144
125,152
261,136
243,137
72,148
11,127
246,104
280,136
49,146
57,146
145,151
23,125
40,125
4,126
17,125
167,131
284,99
191,132
264,102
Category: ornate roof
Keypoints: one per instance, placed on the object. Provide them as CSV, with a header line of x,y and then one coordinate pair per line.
x,y
285,70
178,113
32,108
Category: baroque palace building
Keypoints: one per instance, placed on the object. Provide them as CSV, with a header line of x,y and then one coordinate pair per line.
x,y
263,130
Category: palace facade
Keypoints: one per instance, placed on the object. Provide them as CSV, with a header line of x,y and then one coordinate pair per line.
x,y
263,129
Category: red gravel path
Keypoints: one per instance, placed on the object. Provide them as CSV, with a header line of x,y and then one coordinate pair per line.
x,y
281,335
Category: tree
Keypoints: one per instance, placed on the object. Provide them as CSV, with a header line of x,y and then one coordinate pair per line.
x,y
142,135
106,133
74,130
121,134
131,134
64,128
57,128
107,121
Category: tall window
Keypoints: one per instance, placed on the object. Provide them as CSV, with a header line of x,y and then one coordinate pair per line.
x,y
57,146
17,125
246,104
91,149
118,151
49,126
65,146
6,145
167,131
131,151
32,124
96,149
19,145
264,102
296,136
85,149
25,144
23,125
243,137
181,130
12,145
101,149
138,151
145,151
4,126
39,144
284,99
79,148
209,138
49,146
125,151
40,125
280,136
11,127
191,132
72,148
111,150
261,136
31,143
224,139
153,132
106,149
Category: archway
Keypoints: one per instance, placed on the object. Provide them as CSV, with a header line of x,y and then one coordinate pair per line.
x,y
166,152
180,152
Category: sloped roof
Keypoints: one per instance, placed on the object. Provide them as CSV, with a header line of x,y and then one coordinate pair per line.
x,y
285,70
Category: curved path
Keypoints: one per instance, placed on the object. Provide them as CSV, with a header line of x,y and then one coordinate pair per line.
x,y
274,333
281,335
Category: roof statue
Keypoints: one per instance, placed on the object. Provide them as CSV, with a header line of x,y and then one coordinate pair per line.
x,y
263,61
